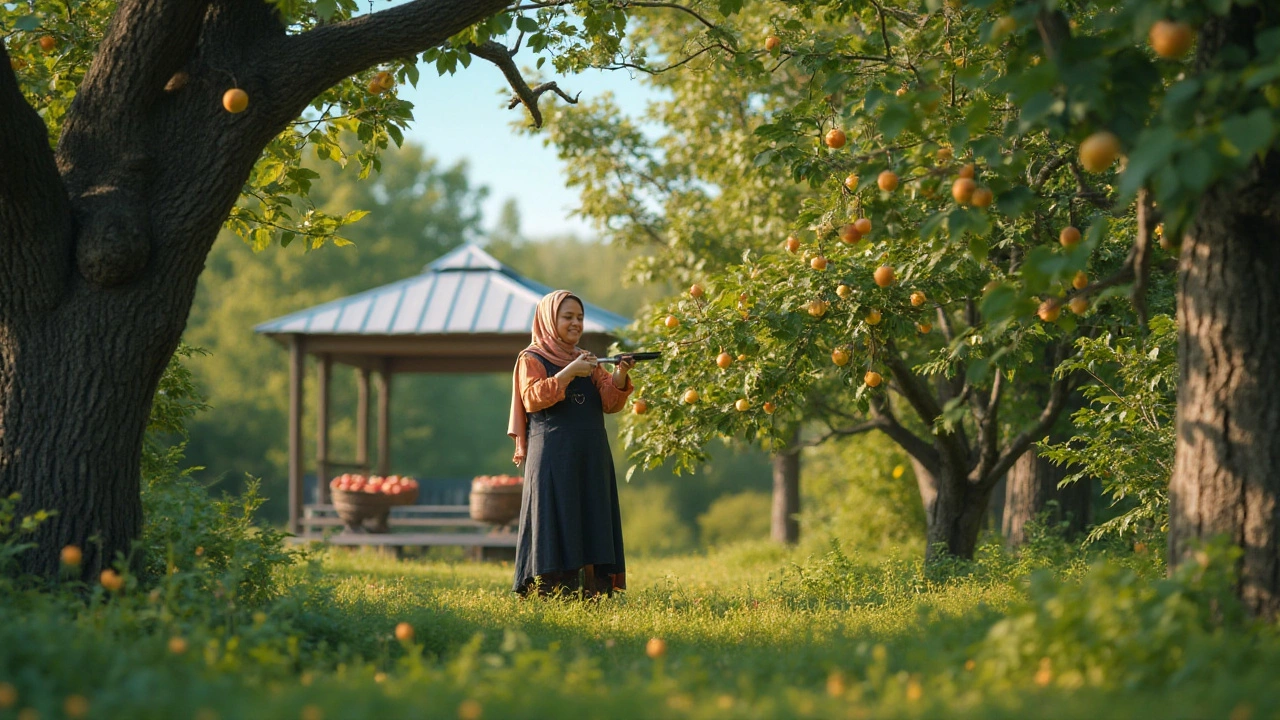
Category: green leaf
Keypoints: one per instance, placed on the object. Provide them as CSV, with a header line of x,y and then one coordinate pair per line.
x,y
978,248
893,120
998,304
1016,200
1245,135
1154,149
326,8
27,22
526,24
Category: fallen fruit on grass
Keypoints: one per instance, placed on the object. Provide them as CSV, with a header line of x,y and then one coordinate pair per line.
x,y
655,648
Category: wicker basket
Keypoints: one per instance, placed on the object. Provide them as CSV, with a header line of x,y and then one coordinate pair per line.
x,y
496,504
354,508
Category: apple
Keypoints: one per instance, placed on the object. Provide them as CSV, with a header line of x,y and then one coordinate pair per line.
x,y
639,407
884,275
724,360
918,298
840,357
235,100
872,378
835,138
742,405
690,397
771,43
873,317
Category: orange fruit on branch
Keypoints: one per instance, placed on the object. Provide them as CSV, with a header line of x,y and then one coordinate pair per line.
x,y
690,397
884,276
983,197
771,43
235,100
888,181
1069,237
818,263
724,360
1080,281
1171,40
672,321
918,298
835,138
962,190
1049,310
840,356
872,378
1099,150
862,225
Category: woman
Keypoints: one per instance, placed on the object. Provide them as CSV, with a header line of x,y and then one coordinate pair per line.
x,y
569,520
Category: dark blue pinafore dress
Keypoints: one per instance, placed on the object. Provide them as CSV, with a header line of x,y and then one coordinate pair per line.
x,y
569,515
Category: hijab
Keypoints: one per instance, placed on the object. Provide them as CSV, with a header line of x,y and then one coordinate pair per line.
x,y
549,345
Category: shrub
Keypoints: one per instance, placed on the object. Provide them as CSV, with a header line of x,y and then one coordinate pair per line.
x,y
736,517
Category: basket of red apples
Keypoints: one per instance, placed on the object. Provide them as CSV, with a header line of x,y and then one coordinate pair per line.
x,y
358,498
496,498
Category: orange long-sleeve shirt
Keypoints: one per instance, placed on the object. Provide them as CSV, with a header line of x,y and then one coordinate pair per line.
x,y
539,392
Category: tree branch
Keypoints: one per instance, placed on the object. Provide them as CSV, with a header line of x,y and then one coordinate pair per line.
x,y
318,59
1142,255
1059,392
846,431
502,57
35,213
915,446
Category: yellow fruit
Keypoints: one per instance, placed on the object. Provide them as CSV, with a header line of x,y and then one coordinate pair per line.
x,y
873,317
962,190
742,357
944,155
924,327
1080,281
844,291
888,181
840,356
111,580
918,298
235,100
884,276
672,321
385,81
1078,305
967,170
1099,150
404,632
742,405
1171,40
818,263
1069,237
851,182
690,396
1049,310
655,648
177,645
817,308
982,197
71,556
872,379
724,360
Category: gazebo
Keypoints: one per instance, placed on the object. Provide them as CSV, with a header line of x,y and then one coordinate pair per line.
x,y
466,312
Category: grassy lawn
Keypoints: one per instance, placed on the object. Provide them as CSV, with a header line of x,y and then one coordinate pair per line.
x,y
752,631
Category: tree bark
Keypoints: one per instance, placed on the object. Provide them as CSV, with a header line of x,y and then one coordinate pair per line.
x,y
1227,463
1032,485
102,242
785,525
959,510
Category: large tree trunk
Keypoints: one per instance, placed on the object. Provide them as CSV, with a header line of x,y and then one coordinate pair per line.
x,y
1032,485
1227,469
785,525
103,240
955,510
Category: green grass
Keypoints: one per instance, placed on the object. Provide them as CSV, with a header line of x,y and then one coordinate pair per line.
x,y
752,631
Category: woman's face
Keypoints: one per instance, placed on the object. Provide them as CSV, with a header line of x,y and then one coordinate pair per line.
x,y
569,321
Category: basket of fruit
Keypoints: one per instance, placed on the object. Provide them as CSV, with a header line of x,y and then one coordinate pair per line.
x,y
358,498
495,499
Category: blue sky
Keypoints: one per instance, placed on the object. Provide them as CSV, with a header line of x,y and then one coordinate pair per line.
x,y
464,117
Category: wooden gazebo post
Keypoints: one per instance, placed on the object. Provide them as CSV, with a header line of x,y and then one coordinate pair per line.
x,y
362,419
297,370
323,371
384,417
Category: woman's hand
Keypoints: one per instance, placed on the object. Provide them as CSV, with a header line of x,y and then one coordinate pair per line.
x,y
580,367
625,363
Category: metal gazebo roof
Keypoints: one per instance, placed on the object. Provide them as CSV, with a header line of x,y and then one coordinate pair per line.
x,y
465,312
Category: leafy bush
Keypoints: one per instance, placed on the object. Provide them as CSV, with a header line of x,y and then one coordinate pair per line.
x,y
736,517
1125,437
650,524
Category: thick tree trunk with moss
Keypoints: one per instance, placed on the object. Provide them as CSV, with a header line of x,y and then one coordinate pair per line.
x,y
1032,486
1226,477
785,525
103,239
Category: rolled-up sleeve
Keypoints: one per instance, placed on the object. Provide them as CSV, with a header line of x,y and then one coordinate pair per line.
x,y
537,391
611,397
